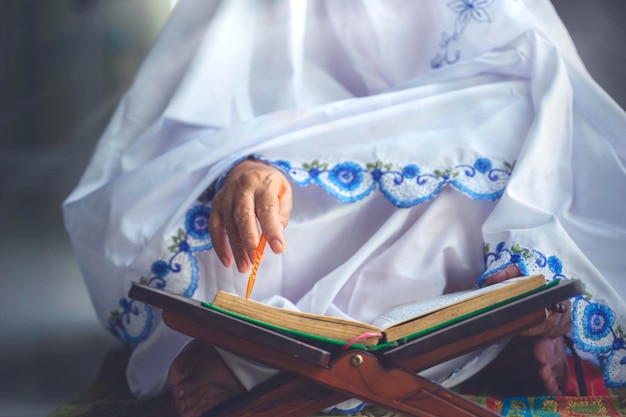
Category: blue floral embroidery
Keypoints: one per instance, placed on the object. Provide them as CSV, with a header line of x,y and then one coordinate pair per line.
x,y
197,222
529,262
410,171
595,330
123,322
347,181
482,165
404,186
160,268
346,176
132,322
466,10
599,319
554,264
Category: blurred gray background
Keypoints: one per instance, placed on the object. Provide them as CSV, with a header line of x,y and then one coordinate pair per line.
x,y
63,67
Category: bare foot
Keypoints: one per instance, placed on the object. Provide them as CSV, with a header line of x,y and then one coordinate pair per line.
x,y
534,363
552,360
528,366
200,380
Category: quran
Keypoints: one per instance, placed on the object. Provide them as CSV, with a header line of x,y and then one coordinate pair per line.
x,y
316,375
396,325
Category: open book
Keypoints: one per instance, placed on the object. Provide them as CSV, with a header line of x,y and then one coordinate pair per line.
x,y
399,323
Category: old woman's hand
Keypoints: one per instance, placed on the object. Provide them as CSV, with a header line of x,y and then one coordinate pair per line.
x,y
250,193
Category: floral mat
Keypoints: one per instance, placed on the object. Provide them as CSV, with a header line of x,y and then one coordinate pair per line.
x,y
109,396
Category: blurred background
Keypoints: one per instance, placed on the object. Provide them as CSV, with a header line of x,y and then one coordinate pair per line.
x,y
63,66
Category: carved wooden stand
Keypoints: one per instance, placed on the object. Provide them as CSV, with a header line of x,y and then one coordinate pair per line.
x,y
316,377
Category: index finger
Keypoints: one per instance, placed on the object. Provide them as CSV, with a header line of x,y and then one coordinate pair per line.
x,y
272,210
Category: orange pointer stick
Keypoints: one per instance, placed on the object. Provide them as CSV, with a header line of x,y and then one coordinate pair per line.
x,y
255,266
258,255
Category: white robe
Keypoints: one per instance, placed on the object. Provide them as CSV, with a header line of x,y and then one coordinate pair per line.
x,y
429,144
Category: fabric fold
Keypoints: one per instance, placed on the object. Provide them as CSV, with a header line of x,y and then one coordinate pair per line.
x,y
428,145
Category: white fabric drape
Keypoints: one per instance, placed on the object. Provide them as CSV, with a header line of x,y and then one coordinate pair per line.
x,y
429,143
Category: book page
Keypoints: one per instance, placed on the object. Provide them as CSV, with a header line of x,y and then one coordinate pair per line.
x,y
403,312
318,325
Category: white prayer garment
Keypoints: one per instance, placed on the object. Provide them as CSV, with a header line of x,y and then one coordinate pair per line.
x,y
429,144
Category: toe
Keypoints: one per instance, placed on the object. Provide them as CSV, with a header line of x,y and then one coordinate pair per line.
x,y
181,404
552,387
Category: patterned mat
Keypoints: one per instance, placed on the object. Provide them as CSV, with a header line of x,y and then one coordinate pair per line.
x,y
109,396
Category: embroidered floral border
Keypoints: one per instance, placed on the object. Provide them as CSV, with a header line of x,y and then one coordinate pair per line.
x,y
596,330
404,186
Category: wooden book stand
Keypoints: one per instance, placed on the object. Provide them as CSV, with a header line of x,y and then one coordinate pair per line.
x,y
315,377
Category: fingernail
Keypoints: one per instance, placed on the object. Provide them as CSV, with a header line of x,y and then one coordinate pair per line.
x,y
181,393
277,245
224,261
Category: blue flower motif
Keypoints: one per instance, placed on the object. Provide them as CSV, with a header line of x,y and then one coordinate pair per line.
x,y
553,262
160,268
197,222
468,10
377,174
183,246
314,172
347,175
555,265
286,165
598,320
130,310
410,171
483,165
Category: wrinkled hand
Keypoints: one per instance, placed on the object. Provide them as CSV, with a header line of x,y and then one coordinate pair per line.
x,y
556,324
249,193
